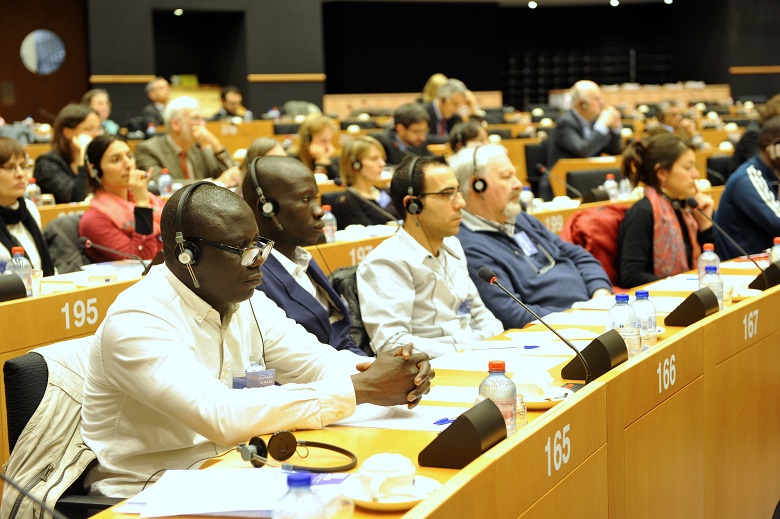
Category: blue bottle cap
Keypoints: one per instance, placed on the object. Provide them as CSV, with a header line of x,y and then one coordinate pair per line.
x,y
299,479
711,269
621,298
642,294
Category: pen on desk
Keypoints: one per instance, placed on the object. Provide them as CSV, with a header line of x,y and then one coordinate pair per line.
x,y
530,346
444,421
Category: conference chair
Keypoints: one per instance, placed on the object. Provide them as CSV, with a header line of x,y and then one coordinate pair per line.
x,y
588,182
718,170
504,133
295,108
363,125
535,156
62,239
344,281
28,382
286,128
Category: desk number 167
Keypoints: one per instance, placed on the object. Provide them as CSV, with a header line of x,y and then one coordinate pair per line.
x,y
82,313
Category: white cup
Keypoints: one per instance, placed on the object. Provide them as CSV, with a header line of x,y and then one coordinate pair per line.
x,y
386,475
533,384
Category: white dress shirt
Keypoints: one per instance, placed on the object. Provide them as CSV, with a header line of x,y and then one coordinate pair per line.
x,y
408,295
159,391
298,269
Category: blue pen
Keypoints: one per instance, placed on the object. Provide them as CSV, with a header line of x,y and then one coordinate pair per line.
x,y
443,421
531,346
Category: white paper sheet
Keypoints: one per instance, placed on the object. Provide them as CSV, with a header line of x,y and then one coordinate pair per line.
x,y
421,418
745,264
516,359
663,304
690,283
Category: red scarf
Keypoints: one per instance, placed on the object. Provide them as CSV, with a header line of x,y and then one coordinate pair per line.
x,y
669,256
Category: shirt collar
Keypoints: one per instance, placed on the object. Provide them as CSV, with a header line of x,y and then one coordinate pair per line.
x,y
178,149
200,309
399,142
420,253
295,267
477,223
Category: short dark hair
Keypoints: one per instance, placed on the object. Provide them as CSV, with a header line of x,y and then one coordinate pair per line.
x,y
228,89
641,157
770,132
86,99
10,148
409,114
70,116
402,178
95,151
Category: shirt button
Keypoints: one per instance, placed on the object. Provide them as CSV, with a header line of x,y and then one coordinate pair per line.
x,y
339,415
199,318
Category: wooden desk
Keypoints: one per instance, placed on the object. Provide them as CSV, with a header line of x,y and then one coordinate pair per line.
x,y
238,136
343,105
52,212
331,256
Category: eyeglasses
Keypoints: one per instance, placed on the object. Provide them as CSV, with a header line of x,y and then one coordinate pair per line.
x,y
550,260
252,256
449,193
11,168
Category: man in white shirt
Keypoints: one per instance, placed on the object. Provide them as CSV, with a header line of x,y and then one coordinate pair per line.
x,y
415,286
160,390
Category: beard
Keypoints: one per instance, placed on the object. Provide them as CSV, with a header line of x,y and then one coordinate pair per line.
x,y
512,209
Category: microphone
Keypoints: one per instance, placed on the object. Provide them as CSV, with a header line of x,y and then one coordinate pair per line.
x,y
487,275
694,204
541,169
86,243
716,174
54,513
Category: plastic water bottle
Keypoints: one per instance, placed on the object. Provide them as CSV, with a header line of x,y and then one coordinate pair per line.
x,y
774,252
275,114
611,187
624,189
300,502
712,279
165,183
503,392
707,257
623,319
330,224
645,319
20,266
151,130
527,199
32,191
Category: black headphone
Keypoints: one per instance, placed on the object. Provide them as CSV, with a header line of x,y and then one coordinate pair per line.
x,y
94,171
415,205
268,207
189,252
479,185
282,446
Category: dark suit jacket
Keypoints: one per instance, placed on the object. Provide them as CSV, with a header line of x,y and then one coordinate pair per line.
x,y
568,141
304,309
157,152
150,114
393,152
433,123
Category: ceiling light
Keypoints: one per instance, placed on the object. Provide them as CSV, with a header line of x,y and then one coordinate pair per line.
x,y
178,12
668,2
614,3
532,4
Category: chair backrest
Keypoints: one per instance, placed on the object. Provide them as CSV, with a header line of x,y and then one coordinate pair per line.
x,y
535,154
718,170
587,180
62,238
295,108
344,281
596,230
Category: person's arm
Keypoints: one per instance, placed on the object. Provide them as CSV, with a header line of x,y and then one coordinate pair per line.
x,y
99,228
568,138
758,202
635,244
55,176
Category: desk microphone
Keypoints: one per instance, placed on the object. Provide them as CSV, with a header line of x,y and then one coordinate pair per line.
x,y
694,204
540,167
716,174
86,243
487,275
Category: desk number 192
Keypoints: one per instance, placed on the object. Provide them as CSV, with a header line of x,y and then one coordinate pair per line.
x,y
82,313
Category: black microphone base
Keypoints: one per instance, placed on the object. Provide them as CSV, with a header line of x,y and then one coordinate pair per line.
x,y
769,278
603,353
696,306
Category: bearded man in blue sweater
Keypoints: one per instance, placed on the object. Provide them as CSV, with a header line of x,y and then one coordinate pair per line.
x,y
545,272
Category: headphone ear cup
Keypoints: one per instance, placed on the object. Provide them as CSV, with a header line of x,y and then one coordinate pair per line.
x,y
585,105
479,185
357,165
262,451
269,207
282,445
414,206
189,253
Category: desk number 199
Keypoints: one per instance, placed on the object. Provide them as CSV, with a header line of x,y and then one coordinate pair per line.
x,y
82,313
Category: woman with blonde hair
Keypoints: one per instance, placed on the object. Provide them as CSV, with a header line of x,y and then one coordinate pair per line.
x,y
431,88
315,145
361,165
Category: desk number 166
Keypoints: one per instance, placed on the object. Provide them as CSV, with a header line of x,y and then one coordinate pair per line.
x,y
82,313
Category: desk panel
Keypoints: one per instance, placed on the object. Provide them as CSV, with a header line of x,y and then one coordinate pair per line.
x,y
52,212
331,256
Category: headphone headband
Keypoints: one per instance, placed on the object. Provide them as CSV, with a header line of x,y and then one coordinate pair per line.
x,y
268,206
283,445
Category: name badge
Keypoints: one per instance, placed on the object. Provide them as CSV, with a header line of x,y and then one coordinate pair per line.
x,y
526,244
465,306
254,378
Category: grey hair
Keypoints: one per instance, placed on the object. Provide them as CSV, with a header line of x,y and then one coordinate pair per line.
x,y
173,110
150,85
450,87
463,162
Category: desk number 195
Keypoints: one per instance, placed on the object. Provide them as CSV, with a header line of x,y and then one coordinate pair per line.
x,y
82,313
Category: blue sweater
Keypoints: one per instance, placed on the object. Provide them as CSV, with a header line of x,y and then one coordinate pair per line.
x,y
748,209
575,276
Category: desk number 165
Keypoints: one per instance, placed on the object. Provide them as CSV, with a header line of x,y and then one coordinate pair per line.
x,y
82,313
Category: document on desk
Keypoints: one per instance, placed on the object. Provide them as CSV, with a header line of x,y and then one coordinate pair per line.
x,y
745,264
663,304
690,283
590,318
421,418
516,358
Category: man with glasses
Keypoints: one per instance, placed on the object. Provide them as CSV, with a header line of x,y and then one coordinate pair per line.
x,y
415,287
410,128
189,150
185,363
291,278
545,272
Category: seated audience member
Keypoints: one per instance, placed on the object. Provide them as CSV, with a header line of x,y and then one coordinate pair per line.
x,y
361,165
431,88
749,210
98,100
451,97
159,388
410,127
189,150
748,143
659,237
20,222
262,147
415,285
291,278
315,145
122,214
231,105
159,92
545,272
589,129
671,119
467,133
63,171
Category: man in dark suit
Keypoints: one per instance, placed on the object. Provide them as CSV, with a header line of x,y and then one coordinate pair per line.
x,y
410,127
291,278
189,150
443,111
589,129
159,91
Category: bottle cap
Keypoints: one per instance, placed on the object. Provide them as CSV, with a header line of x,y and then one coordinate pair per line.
x,y
496,365
777,240
31,180
610,176
17,250
299,479
711,269
326,208
621,298
709,246
164,171
526,188
642,294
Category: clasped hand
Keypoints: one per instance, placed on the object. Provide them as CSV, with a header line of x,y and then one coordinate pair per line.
x,y
395,377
